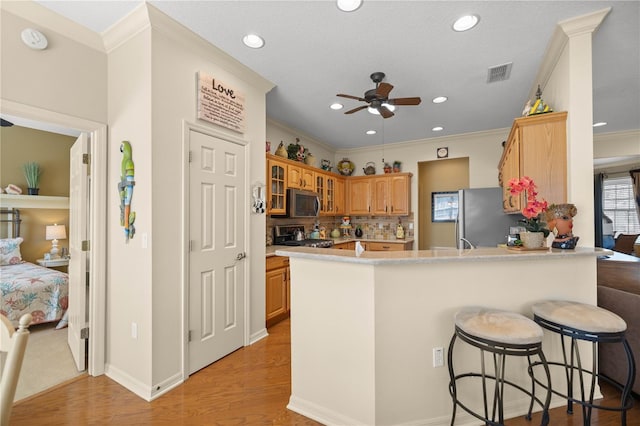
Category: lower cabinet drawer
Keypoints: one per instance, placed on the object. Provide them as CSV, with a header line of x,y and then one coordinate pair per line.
x,y
371,246
274,262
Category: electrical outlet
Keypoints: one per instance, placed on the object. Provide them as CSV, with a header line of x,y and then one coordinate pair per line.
x,y
410,225
438,357
134,330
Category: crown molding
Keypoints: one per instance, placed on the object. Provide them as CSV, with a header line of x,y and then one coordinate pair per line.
x,y
301,134
173,30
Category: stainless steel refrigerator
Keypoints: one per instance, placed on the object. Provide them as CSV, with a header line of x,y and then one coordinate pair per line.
x,y
481,221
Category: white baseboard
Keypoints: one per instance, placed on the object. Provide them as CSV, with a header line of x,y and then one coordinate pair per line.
x,y
258,335
319,413
148,393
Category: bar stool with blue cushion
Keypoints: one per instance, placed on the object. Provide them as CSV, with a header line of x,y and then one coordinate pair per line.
x,y
580,321
501,333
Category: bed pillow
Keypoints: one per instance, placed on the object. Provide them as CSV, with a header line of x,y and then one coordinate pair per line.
x,y
10,251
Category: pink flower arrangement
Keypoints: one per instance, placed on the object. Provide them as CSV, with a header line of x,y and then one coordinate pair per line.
x,y
534,208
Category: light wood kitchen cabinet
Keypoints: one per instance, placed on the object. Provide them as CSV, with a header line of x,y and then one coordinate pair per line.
x,y
277,289
389,246
350,245
326,188
300,177
359,196
537,148
389,195
276,187
341,202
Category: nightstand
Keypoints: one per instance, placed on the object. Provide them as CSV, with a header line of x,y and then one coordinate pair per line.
x,y
53,263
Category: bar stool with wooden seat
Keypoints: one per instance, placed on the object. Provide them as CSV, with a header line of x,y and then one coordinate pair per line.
x,y
580,321
503,334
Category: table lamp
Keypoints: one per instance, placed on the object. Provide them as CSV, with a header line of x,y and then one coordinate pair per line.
x,y
54,233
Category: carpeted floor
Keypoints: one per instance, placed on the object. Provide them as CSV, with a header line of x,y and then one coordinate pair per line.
x,y
47,361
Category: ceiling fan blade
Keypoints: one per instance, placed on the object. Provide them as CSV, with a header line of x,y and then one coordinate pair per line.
x,y
356,109
405,101
385,112
351,97
383,89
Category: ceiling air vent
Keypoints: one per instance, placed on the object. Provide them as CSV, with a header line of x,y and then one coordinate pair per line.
x,y
499,73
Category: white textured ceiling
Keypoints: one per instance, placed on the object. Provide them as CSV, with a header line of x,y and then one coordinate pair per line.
x,y
314,51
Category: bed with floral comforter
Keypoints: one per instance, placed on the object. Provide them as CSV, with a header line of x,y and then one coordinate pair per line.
x,y
28,288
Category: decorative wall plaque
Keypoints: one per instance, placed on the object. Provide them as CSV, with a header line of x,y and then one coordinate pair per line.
x,y
220,103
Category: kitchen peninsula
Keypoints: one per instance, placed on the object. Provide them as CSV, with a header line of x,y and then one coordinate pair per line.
x,y
363,329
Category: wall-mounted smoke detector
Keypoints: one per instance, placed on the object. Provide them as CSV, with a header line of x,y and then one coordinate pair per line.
x,y
34,39
499,73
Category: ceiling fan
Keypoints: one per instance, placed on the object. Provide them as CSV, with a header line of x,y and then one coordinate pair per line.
x,y
378,98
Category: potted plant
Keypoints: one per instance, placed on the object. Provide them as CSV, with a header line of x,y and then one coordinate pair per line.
x,y
32,173
533,212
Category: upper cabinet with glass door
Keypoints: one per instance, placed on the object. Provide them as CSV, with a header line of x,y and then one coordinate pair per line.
x,y
276,187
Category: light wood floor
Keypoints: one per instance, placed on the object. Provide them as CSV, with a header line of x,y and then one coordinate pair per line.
x,y
248,387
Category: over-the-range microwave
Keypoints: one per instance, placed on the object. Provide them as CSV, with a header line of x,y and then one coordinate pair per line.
x,y
301,203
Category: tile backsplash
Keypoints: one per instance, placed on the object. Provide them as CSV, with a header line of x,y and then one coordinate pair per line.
x,y
373,228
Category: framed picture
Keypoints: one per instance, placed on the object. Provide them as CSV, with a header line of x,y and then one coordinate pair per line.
x,y
444,206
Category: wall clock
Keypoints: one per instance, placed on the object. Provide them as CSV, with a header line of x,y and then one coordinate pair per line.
x,y
443,152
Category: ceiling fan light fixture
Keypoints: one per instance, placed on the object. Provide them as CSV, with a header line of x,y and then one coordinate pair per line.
x,y
376,112
439,99
336,106
253,41
348,5
466,22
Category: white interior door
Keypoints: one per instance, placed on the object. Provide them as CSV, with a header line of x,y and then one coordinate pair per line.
x,y
78,201
217,233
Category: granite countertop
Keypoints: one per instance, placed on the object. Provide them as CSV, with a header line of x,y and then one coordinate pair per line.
x,y
271,250
434,256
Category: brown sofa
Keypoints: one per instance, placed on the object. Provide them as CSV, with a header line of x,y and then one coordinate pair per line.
x,y
619,292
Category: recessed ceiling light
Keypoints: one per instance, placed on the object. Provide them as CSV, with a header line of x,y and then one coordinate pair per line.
x,y
438,129
253,41
466,22
348,5
336,106
371,132
439,99
600,124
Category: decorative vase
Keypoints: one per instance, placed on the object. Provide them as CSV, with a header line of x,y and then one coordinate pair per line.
x,y
310,160
33,191
532,240
281,151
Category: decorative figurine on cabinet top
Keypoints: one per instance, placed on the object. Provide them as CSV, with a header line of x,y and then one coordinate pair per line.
x,y
559,219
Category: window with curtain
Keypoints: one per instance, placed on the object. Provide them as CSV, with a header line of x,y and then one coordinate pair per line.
x,y
618,204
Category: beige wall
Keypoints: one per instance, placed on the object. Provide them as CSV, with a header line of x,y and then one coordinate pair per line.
x,y
130,283
19,145
278,132
69,77
148,103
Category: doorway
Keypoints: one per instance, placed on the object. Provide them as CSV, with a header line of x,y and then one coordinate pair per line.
x,y
437,176
97,134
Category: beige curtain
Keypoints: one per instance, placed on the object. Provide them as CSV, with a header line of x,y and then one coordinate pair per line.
x,y
635,179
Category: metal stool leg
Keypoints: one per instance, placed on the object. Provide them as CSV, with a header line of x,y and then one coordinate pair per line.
x,y
452,380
